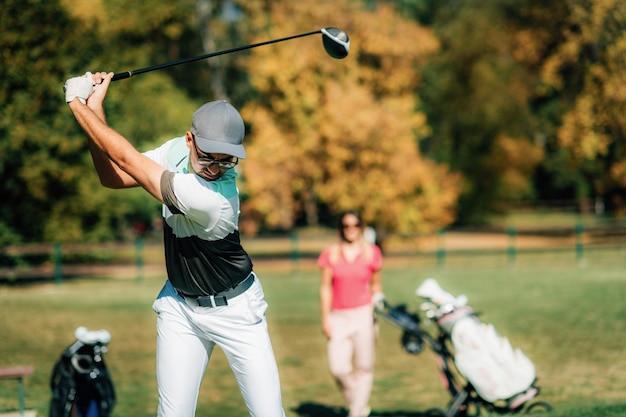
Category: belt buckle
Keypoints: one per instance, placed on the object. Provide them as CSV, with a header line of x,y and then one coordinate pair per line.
x,y
213,301
218,300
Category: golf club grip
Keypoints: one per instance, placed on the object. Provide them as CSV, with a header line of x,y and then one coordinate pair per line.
x,y
121,75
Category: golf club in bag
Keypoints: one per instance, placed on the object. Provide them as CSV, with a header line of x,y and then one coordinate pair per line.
x,y
335,41
80,382
479,367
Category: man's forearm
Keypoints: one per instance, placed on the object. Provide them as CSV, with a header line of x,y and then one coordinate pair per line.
x,y
99,111
118,163
108,148
135,166
109,173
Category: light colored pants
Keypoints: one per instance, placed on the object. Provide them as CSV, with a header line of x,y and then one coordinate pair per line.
x,y
351,355
186,336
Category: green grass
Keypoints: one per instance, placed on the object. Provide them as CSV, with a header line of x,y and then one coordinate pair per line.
x,y
569,317
546,219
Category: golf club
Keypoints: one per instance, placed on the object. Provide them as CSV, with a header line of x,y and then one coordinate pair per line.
x,y
336,43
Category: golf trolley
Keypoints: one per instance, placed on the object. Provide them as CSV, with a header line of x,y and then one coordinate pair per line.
x,y
80,382
466,400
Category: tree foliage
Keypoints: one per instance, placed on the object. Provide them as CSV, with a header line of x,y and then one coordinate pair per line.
x,y
50,189
41,158
477,94
549,75
442,110
331,135
589,66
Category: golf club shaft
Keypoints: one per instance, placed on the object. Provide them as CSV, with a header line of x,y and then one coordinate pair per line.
x,y
128,74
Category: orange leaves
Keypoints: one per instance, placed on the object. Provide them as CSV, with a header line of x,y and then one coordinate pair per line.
x,y
530,45
389,50
596,118
579,131
342,133
515,159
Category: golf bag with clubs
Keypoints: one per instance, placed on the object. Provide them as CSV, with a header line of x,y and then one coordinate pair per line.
x,y
81,384
488,373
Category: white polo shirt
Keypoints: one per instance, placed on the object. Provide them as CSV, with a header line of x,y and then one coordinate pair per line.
x,y
203,252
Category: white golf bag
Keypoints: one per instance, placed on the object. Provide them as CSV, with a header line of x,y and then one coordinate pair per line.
x,y
484,358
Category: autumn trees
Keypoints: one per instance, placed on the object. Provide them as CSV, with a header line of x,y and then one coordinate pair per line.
x,y
526,99
443,110
589,68
330,135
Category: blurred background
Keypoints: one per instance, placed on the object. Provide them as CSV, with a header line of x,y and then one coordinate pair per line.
x,y
446,114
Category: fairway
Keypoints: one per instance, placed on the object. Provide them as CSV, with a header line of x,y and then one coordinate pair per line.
x,y
568,316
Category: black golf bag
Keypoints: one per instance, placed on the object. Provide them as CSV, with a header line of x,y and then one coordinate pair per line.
x,y
81,384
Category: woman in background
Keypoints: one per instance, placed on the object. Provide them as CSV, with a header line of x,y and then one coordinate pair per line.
x,y
350,287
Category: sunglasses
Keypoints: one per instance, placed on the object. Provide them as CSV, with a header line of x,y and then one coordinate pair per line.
x,y
351,226
225,163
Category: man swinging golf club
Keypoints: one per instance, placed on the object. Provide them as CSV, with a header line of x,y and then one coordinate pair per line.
x,y
211,295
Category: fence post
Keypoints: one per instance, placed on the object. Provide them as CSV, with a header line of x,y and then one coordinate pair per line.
x,y
57,260
580,249
139,257
441,247
512,249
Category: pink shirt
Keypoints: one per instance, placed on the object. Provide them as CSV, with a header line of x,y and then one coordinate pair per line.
x,y
351,280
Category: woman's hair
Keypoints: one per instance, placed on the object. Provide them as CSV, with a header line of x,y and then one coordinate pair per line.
x,y
341,218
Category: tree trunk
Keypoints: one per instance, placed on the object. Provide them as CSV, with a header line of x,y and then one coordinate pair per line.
x,y
310,208
205,11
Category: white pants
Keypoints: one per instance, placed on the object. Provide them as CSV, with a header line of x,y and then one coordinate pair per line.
x,y
186,336
351,355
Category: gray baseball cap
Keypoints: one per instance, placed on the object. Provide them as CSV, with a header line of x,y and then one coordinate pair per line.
x,y
218,128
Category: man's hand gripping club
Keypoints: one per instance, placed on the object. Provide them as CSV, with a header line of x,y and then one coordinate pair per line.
x,y
84,87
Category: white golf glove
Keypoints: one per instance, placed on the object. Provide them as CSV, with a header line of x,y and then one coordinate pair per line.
x,y
80,87
378,301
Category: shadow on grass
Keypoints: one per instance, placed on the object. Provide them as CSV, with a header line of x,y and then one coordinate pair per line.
x,y
322,410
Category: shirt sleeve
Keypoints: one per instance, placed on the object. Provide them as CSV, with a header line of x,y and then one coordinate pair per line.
x,y
323,261
377,258
159,155
187,194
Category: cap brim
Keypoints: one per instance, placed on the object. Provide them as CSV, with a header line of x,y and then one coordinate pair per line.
x,y
213,146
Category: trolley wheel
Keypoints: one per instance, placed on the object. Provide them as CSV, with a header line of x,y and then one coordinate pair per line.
x,y
538,407
471,409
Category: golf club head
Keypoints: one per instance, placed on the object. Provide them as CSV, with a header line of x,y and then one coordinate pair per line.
x,y
336,42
